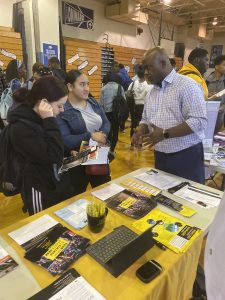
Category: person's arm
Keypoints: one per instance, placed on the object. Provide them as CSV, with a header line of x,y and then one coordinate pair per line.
x,y
71,140
193,107
46,149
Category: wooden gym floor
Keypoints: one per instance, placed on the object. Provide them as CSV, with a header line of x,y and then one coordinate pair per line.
x,y
126,161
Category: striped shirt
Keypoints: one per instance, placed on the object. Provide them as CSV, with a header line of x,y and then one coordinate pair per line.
x,y
180,99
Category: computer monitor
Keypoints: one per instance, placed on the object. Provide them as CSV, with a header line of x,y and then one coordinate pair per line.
x,y
212,113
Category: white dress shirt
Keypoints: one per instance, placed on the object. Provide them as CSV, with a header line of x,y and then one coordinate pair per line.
x,y
214,256
180,99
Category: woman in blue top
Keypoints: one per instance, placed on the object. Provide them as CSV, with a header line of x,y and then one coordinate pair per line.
x,y
82,119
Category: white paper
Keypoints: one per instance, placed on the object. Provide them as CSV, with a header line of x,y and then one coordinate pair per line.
x,y
208,156
92,70
74,214
1,63
195,196
218,95
31,230
133,61
108,191
82,65
101,159
8,54
3,253
79,289
73,59
161,181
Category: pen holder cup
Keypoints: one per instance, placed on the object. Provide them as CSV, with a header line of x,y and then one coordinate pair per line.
x,y
96,224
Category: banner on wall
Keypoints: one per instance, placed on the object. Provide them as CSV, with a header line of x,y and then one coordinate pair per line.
x,y
49,51
216,50
77,16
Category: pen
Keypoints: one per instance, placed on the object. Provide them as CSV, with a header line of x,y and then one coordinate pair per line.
x,y
160,245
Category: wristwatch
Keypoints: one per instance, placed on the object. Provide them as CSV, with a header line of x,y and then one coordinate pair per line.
x,y
166,134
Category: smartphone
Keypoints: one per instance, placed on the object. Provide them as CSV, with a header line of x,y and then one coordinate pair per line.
x,y
149,271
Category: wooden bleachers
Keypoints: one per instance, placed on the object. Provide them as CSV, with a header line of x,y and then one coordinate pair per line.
x,y
10,41
91,51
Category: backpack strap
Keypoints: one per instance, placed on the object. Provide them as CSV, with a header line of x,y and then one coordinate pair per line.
x,y
132,87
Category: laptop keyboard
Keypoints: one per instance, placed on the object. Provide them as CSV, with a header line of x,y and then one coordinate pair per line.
x,y
104,249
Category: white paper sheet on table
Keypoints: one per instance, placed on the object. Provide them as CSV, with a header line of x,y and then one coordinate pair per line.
x,y
196,196
74,214
24,285
102,158
159,180
78,289
108,191
31,230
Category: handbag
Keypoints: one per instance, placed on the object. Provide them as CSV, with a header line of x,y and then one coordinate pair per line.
x,y
97,169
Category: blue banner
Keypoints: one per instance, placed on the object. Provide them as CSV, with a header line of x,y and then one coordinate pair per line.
x,y
49,51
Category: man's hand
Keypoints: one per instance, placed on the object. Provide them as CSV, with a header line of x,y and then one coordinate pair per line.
x,y
136,139
153,138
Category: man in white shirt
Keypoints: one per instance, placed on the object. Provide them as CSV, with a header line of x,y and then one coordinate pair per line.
x,y
139,89
214,256
174,119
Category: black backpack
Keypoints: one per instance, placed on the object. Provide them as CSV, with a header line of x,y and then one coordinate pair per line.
x,y
11,171
120,107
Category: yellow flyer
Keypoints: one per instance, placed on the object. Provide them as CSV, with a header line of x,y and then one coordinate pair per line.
x,y
171,232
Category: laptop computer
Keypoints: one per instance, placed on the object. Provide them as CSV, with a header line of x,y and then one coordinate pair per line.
x,y
120,248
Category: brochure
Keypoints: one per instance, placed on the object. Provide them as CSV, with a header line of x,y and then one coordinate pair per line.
x,y
158,179
195,195
70,286
74,214
108,191
131,204
171,232
140,187
7,263
176,206
57,249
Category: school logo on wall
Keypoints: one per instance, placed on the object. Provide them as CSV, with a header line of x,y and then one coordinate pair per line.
x,y
77,16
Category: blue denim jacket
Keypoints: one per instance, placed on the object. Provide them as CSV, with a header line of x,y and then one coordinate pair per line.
x,y
72,124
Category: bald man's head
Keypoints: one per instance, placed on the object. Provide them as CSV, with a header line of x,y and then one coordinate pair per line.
x,y
157,64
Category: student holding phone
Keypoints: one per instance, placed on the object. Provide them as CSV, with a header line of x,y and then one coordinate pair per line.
x,y
36,140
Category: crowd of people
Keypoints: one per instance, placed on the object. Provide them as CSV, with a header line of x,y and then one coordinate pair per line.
x,y
47,117
167,110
